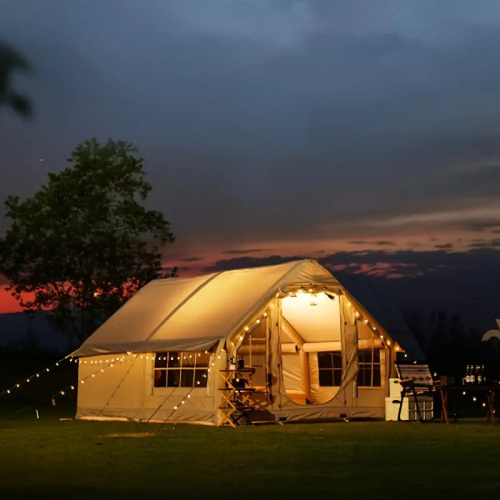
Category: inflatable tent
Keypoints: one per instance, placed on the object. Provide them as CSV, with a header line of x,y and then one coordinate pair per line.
x,y
277,343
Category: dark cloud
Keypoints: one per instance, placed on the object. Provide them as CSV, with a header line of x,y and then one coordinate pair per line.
x,y
244,262
444,246
277,101
244,251
191,259
482,243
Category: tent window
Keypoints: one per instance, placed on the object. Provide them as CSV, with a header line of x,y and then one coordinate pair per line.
x,y
369,368
330,369
181,369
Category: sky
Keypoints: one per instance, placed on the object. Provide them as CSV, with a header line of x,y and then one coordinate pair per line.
x,y
360,133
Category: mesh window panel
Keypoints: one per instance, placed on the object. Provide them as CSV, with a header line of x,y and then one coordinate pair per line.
x,y
364,376
173,378
160,379
161,360
337,377
325,360
326,378
174,359
187,378
200,378
202,359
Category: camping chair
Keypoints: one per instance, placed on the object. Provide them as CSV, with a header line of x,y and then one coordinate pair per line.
x,y
415,380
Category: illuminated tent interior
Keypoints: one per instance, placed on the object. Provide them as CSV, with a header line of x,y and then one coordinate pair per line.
x,y
277,343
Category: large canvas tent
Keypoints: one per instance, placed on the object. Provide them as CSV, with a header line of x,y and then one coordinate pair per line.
x,y
307,347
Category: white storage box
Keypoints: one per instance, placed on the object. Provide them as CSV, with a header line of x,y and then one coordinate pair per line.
x,y
395,388
409,410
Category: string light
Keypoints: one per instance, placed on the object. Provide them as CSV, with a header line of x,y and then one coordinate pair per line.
x,y
35,375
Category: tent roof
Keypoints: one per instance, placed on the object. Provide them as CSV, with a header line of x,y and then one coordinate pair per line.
x,y
192,314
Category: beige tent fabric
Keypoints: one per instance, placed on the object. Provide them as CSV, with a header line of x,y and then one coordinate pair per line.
x,y
211,312
192,314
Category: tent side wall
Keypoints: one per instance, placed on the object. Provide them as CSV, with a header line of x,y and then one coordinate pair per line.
x,y
125,390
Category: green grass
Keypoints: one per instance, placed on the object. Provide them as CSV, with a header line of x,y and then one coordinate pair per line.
x,y
48,458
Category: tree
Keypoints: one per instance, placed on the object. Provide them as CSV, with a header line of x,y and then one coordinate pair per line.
x,y
11,61
83,244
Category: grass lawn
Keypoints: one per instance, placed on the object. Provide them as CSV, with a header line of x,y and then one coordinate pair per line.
x,y
73,459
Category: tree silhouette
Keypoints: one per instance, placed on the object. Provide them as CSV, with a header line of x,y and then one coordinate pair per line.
x,y
84,243
10,62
